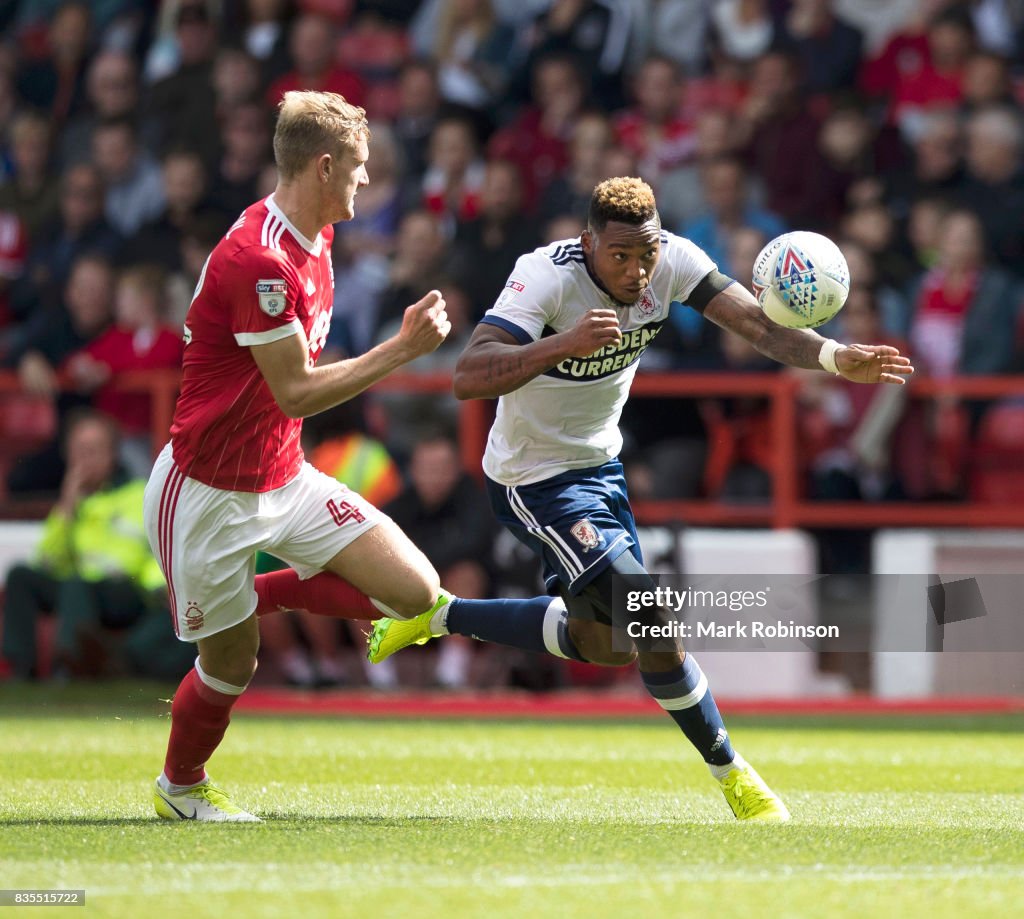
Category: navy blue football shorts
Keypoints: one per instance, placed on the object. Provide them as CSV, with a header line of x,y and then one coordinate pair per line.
x,y
578,522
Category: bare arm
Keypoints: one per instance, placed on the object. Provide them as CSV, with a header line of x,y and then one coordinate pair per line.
x,y
301,390
736,310
494,363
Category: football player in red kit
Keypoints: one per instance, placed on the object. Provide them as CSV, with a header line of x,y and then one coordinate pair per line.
x,y
233,479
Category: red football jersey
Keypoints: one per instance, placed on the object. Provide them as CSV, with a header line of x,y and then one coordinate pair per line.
x,y
263,282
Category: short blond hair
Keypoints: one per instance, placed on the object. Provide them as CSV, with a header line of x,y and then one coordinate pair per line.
x,y
310,124
624,200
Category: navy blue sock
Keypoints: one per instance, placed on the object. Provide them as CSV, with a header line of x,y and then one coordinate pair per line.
x,y
684,694
536,624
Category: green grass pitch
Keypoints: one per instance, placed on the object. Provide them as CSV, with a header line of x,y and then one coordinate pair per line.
x,y
892,817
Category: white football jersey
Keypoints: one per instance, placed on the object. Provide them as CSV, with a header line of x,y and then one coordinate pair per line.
x,y
568,417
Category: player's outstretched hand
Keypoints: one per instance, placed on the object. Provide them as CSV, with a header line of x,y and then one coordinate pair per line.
x,y
873,364
425,325
594,330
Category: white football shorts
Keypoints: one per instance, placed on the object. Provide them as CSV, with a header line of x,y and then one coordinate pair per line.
x,y
206,539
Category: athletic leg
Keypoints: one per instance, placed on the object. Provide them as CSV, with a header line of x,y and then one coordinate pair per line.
x,y
568,522
205,540
202,705
319,526
324,594
384,564
200,715
675,681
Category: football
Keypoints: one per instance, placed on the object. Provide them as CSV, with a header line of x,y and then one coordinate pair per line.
x,y
801,279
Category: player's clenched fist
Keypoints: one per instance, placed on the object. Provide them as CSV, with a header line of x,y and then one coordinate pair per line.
x,y
425,324
594,330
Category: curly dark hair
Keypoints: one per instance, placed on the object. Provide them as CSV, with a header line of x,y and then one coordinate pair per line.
x,y
625,200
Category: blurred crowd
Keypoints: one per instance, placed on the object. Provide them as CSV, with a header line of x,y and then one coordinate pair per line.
x,y
133,133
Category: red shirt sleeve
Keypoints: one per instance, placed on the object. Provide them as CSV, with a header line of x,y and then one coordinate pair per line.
x,y
261,293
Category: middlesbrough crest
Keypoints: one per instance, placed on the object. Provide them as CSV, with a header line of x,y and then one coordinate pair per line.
x,y
647,305
586,534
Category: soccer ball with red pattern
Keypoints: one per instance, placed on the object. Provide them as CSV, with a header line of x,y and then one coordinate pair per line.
x,y
801,279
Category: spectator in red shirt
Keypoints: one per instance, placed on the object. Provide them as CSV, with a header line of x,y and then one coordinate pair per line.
x,y
961,320
923,78
538,140
138,340
963,311
903,55
654,128
312,48
375,47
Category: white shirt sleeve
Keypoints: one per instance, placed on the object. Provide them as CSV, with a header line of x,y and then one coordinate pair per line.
x,y
690,265
529,300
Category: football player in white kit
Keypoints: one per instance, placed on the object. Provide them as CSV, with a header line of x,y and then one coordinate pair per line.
x,y
559,349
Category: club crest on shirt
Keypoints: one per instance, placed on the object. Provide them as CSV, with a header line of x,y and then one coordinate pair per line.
x,y
272,296
648,303
586,535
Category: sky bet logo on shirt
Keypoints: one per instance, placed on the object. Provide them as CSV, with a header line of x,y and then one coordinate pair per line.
x,y
610,359
511,291
272,295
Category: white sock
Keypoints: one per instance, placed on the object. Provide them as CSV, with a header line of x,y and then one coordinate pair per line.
x,y
720,772
172,789
439,621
